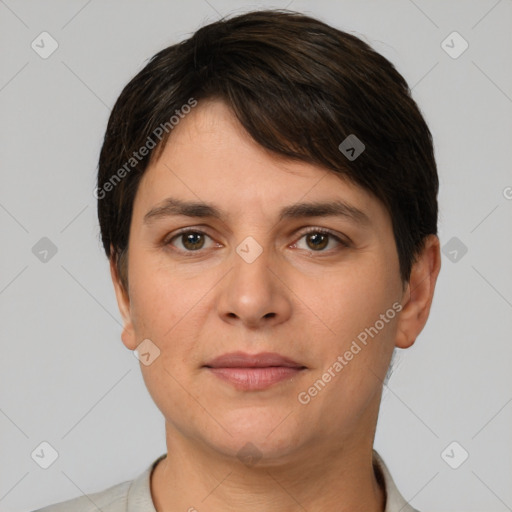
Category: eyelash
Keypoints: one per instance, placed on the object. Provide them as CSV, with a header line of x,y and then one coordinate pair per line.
x,y
168,240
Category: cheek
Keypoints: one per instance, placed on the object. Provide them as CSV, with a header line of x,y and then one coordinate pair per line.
x,y
160,298
349,300
350,305
169,308
356,333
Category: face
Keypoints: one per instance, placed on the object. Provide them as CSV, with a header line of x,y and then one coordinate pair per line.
x,y
316,288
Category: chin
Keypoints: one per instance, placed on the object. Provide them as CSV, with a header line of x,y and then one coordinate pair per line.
x,y
256,441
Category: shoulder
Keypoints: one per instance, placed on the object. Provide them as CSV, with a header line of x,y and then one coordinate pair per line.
x,y
132,495
113,499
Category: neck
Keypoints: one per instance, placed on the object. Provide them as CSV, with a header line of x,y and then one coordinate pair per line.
x,y
323,478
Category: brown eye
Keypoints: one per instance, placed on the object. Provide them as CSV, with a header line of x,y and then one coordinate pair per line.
x,y
192,240
317,241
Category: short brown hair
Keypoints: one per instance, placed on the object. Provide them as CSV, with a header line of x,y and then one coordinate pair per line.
x,y
299,87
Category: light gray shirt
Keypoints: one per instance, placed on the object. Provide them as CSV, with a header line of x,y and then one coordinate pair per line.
x,y
135,495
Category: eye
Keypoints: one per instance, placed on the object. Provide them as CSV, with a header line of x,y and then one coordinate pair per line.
x,y
317,239
191,240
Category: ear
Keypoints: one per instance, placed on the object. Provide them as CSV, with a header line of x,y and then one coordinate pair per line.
x,y
419,293
123,302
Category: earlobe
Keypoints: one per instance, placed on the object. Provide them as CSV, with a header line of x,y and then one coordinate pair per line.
x,y
419,293
123,302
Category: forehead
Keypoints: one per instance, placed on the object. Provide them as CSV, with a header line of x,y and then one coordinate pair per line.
x,y
210,158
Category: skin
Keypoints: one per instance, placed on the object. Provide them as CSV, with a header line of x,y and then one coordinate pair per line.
x,y
304,302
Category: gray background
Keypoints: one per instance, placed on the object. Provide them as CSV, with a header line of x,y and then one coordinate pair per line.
x,y
65,376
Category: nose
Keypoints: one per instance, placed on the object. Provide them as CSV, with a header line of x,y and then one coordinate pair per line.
x,y
254,292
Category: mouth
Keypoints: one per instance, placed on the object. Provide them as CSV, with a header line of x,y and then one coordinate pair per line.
x,y
254,371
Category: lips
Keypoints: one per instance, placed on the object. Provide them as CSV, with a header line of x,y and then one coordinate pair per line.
x,y
244,360
254,372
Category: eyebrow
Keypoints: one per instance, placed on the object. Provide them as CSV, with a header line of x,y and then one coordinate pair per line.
x,y
338,208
